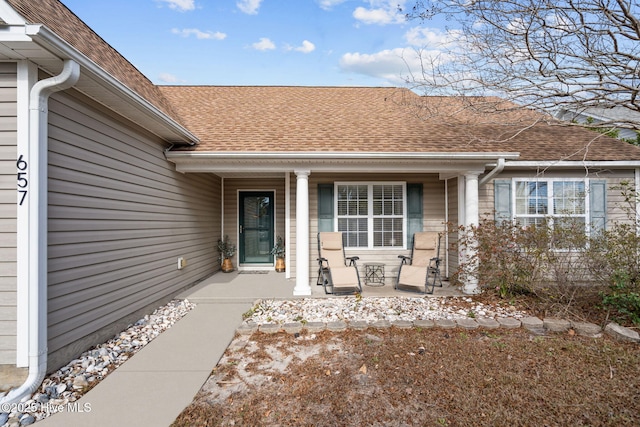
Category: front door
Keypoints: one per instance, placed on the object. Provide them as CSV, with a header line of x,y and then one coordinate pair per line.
x,y
256,227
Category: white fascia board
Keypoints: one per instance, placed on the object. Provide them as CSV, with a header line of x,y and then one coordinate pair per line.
x,y
229,163
338,155
611,164
9,15
52,42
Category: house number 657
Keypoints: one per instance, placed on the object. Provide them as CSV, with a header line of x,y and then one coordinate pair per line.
x,y
23,183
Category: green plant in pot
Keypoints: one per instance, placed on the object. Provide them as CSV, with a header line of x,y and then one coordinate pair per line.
x,y
279,251
227,250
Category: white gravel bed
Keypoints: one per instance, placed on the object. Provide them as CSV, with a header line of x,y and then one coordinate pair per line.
x,y
371,309
60,389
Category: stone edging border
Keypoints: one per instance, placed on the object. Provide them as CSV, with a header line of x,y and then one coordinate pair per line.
x,y
532,324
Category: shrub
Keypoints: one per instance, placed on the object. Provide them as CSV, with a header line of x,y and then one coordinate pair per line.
x,y
554,259
500,261
624,298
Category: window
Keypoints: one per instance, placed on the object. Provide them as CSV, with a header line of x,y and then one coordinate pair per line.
x,y
555,200
371,215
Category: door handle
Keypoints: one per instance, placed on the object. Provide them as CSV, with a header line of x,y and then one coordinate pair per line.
x,y
241,229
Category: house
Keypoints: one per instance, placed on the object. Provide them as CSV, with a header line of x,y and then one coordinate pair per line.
x,y
614,117
108,179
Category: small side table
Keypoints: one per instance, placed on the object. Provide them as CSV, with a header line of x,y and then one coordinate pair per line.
x,y
374,274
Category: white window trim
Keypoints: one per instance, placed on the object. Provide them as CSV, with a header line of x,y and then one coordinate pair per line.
x,y
550,181
370,215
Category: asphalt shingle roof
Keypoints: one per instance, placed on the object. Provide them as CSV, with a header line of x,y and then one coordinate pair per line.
x,y
365,119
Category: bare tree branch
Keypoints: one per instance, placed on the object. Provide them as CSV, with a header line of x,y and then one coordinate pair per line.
x,y
548,55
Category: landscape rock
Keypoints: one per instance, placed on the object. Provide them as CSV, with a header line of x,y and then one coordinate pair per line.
x,y
445,323
68,383
553,324
467,323
622,333
533,324
509,322
487,323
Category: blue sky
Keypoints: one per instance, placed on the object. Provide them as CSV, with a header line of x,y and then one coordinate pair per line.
x,y
263,42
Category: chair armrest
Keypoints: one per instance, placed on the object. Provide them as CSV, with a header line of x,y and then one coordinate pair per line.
x,y
404,258
352,260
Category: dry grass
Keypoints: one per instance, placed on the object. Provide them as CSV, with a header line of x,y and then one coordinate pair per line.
x,y
429,377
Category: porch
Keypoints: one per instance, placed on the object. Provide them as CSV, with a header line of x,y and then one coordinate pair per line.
x,y
248,286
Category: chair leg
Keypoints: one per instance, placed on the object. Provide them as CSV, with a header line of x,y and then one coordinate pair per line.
x,y
326,281
433,273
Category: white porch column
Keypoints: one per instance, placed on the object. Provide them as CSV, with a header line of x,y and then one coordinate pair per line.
x,y
471,218
302,233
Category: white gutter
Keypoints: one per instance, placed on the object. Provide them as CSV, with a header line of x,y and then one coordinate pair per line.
x,y
499,167
618,164
36,206
322,155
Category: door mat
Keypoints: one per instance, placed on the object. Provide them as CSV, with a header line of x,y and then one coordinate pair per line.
x,y
252,272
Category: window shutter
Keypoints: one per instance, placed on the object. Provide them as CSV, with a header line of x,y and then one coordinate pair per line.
x,y
502,199
325,207
414,211
598,206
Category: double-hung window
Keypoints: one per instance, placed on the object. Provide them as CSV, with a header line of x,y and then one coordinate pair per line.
x,y
558,201
371,215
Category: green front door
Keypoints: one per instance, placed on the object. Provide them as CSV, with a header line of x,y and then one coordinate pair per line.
x,y
256,227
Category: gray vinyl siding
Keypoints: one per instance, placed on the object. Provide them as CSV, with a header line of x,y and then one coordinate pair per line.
x,y
8,213
433,208
615,200
119,218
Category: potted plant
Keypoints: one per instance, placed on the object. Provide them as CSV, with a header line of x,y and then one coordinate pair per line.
x,y
278,251
227,250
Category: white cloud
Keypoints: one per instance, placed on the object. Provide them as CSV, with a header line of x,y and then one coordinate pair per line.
x,y
250,7
169,78
202,35
181,5
432,37
307,47
394,65
328,4
380,12
264,44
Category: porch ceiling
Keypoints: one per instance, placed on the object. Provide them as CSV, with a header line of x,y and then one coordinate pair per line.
x,y
232,165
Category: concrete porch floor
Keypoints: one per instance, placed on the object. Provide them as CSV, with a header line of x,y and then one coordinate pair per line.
x,y
247,287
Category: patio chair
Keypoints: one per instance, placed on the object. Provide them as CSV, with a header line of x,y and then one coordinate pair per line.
x,y
337,273
422,269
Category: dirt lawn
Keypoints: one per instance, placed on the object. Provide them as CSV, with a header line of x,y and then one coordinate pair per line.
x,y
421,377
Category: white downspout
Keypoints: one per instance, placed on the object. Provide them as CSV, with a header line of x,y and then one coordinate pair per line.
x,y
36,163
499,167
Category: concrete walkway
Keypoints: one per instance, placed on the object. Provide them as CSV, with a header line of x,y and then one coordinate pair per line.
x,y
157,383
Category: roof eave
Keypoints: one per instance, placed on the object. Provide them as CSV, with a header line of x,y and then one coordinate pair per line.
x,y
566,164
233,163
330,155
162,124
